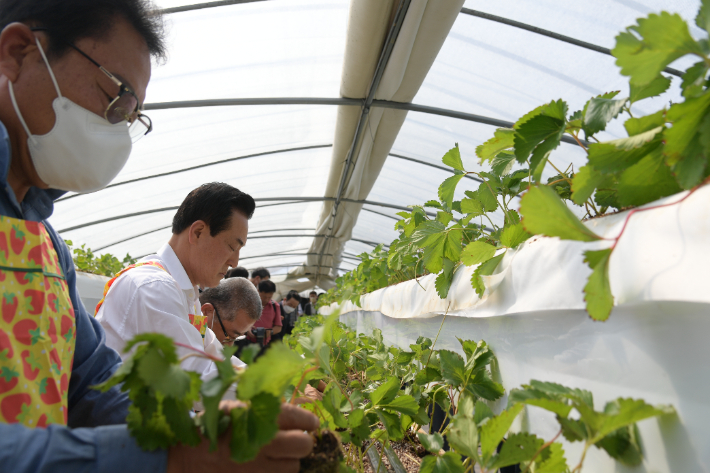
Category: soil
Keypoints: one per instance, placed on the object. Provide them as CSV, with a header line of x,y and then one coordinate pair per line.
x,y
409,451
326,454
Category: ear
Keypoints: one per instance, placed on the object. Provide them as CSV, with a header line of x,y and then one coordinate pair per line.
x,y
16,42
207,309
197,230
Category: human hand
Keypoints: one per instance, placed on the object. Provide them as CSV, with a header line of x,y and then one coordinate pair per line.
x,y
282,455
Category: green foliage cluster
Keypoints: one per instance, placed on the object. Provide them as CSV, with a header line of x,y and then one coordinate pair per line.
x,y
163,395
105,265
665,152
379,394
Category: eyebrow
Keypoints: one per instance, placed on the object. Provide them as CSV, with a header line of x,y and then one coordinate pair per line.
x,y
239,240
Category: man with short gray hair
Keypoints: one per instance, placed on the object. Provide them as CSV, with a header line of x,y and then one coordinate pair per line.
x,y
235,305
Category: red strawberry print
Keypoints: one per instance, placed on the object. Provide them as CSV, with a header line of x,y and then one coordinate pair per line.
x,y
64,383
55,362
66,328
8,379
48,391
9,306
17,240
4,251
35,255
2,275
32,227
34,301
6,350
52,332
26,332
30,365
11,407
42,422
23,277
53,302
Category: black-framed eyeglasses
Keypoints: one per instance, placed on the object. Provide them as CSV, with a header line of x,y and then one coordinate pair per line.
x,y
124,107
229,339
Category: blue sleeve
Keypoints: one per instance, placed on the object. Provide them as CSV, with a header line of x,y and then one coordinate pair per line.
x,y
94,362
58,449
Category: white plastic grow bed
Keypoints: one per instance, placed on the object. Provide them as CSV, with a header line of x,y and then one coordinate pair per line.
x,y
654,346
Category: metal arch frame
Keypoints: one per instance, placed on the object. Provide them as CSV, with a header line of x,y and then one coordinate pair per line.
x,y
280,200
466,11
551,34
382,62
200,166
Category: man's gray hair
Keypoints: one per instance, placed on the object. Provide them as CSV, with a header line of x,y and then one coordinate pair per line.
x,y
233,295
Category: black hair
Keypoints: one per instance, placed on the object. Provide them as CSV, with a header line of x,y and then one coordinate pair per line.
x,y
261,272
238,272
267,287
67,21
293,294
313,292
212,203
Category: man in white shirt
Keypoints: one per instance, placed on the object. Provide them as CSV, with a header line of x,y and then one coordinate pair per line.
x,y
160,294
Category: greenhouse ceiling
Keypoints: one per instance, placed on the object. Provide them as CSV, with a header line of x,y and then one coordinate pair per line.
x,y
334,114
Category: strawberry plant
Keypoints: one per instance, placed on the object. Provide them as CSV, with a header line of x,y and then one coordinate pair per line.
x,y
105,265
665,153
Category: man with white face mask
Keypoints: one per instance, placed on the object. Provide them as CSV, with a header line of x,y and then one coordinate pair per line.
x,y
73,76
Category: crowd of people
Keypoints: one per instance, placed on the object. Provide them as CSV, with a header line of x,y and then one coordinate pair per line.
x,y
73,77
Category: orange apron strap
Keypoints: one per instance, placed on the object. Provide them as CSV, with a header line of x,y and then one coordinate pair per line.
x,y
110,282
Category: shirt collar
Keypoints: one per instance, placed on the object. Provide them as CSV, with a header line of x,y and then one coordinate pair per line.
x,y
38,203
175,268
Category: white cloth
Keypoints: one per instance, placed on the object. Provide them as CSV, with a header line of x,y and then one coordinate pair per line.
x,y
148,299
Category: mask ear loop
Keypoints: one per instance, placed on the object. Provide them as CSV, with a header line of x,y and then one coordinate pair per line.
x,y
19,115
49,68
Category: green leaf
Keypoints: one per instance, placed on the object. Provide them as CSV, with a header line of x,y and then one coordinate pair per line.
x,y
502,140
472,206
654,88
449,462
487,194
584,182
552,460
534,397
452,368
448,187
646,181
597,292
635,126
483,386
493,431
693,83
513,235
482,412
432,443
427,375
517,448
254,427
463,437
331,402
404,404
484,269
619,154
600,112
682,139
444,280
392,423
453,158
542,132
386,392
271,373
158,373
477,252
624,445
544,213
663,39
702,20
444,217
623,412
503,163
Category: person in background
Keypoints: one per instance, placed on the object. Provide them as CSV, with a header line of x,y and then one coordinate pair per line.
x,y
260,274
311,306
290,311
237,272
66,124
231,308
270,322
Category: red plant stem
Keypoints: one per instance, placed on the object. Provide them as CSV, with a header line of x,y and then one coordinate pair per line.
x,y
626,221
580,143
303,376
206,355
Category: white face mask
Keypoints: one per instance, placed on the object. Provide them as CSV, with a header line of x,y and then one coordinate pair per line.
x,y
83,152
288,309
313,300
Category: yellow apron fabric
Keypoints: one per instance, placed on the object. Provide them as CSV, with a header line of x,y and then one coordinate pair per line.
x,y
37,327
197,321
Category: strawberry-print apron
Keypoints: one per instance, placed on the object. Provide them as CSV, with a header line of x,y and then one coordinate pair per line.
x,y
37,327
197,321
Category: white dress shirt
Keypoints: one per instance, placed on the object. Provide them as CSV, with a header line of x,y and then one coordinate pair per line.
x,y
148,299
